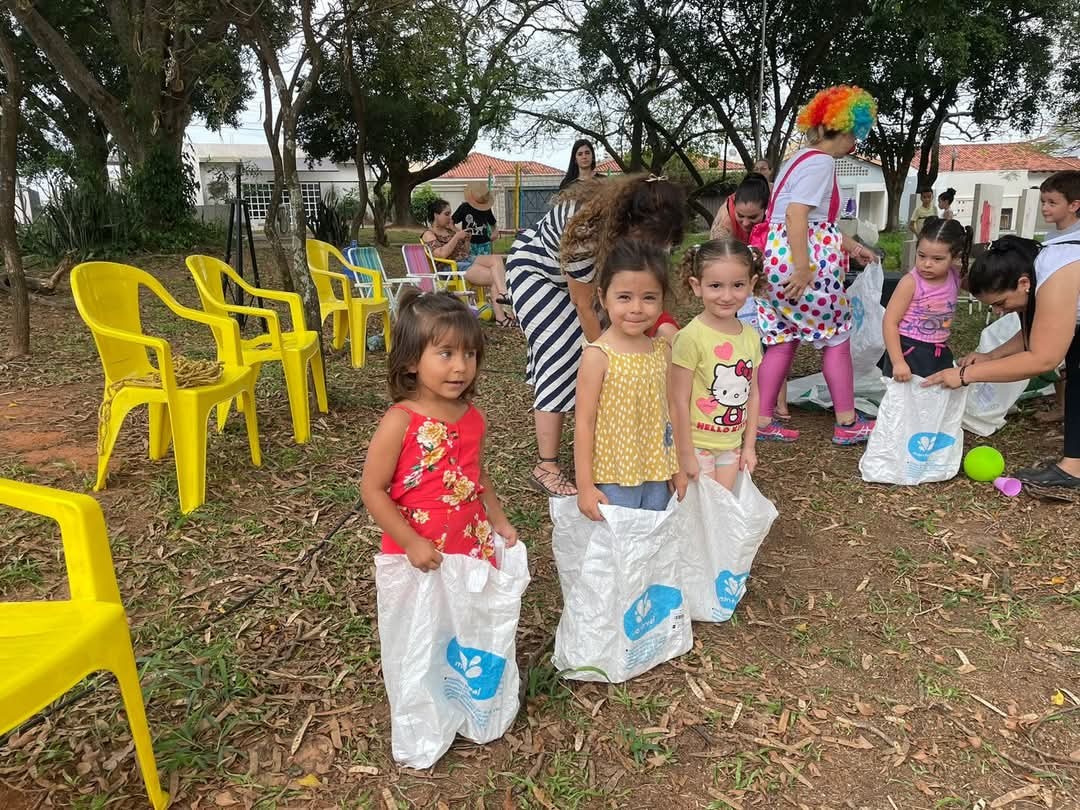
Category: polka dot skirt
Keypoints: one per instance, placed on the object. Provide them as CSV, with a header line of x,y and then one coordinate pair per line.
x,y
823,310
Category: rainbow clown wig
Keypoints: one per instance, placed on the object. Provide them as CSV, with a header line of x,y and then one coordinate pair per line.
x,y
840,109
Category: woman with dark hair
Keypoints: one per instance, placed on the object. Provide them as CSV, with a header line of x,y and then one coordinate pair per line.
x,y
1015,275
552,272
582,164
447,242
742,210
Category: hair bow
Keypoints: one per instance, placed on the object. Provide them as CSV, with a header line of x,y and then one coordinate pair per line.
x,y
744,369
652,178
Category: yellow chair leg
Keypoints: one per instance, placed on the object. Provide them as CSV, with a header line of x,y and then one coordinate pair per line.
x,y
127,676
358,336
341,329
160,430
117,413
296,385
189,447
318,374
386,330
248,398
222,409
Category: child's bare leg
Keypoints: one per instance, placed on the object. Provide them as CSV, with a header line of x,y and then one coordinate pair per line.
x,y
727,468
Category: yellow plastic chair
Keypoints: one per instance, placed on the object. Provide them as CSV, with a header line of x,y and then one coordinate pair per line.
x,y
350,311
46,647
294,350
107,296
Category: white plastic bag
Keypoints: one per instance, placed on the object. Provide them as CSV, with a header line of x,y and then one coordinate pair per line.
x,y
623,610
449,656
724,533
988,403
867,314
917,437
867,346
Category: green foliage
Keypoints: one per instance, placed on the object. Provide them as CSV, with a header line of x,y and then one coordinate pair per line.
x,y
92,220
421,198
330,222
163,189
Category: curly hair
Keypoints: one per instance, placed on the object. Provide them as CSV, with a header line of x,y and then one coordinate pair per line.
x,y
842,108
638,205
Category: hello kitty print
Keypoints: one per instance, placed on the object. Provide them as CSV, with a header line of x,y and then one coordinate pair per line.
x,y
723,366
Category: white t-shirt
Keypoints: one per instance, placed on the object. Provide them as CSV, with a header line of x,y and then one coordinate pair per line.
x,y
810,184
1053,257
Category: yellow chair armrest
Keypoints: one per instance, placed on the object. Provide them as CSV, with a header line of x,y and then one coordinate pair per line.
x,y
82,530
376,277
341,278
229,329
440,260
159,346
273,324
295,302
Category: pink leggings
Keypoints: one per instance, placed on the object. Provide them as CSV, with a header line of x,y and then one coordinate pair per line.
x,y
835,365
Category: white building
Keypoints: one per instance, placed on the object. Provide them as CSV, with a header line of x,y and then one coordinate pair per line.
x,y
531,183
1013,166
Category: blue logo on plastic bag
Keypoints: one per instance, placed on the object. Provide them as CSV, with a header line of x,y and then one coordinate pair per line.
x,y
482,670
649,609
923,445
858,312
730,588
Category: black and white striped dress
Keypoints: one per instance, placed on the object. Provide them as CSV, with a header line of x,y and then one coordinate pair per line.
x,y
542,303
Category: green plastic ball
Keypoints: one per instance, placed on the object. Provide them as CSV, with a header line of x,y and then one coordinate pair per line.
x,y
983,464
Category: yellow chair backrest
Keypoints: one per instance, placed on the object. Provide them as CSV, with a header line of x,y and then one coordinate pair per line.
x,y
210,275
90,573
107,297
318,255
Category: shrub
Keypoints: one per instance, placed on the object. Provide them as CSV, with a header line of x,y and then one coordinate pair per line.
x,y
421,198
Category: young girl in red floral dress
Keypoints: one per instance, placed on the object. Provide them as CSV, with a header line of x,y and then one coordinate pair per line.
x,y
424,480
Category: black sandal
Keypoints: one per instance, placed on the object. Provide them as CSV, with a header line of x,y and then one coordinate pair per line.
x,y
540,482
504,300
1049,476
506,323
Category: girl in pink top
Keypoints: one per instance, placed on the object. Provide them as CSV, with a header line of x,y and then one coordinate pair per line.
x,y
920,312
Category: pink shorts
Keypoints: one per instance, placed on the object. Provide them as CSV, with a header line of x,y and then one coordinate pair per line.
x,y
709,460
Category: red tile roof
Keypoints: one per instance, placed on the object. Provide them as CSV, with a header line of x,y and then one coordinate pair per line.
x,y
477,165
701,163
989,157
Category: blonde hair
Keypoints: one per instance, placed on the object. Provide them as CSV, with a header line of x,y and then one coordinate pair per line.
x,y
653,208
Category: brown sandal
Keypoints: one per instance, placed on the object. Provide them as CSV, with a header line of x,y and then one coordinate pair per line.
x,y
541,482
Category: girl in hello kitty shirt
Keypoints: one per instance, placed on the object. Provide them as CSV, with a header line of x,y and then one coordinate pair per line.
x,y
712,386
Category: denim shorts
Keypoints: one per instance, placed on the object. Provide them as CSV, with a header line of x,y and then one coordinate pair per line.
x,y
651,495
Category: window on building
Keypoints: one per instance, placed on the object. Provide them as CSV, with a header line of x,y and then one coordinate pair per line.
x,y
258,198
1006,223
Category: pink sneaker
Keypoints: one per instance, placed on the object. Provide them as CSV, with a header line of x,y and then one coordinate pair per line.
x,y
855,433
776,431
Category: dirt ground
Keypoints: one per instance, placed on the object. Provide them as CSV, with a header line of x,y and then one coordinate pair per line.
x,y
897,648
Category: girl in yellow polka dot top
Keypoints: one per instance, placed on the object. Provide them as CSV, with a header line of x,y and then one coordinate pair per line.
x,y
624,446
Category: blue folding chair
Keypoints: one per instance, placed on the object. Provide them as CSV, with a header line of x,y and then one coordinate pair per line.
x,y
369,259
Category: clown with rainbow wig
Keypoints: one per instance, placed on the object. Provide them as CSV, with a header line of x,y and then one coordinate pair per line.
x,y
806,258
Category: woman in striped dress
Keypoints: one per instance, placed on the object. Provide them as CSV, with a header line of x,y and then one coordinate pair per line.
x,y
551,272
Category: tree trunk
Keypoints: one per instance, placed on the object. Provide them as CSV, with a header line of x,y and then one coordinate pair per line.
x,y
894,191
358,103
19,337
301,277
401,188
271,130
378,210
